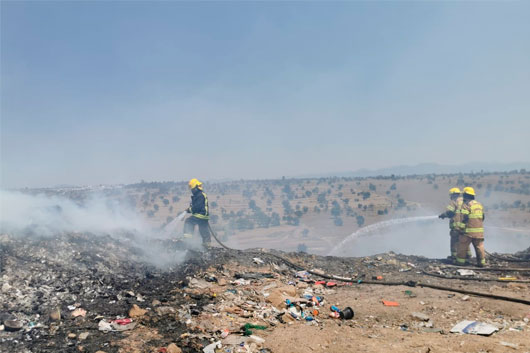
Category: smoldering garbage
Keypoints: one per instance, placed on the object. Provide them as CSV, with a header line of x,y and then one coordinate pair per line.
x,y
80,291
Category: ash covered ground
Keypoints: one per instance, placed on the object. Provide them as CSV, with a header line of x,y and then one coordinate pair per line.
x,y
78,292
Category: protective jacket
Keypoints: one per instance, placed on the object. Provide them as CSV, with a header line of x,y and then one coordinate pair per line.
x,y
473,214
199,204
454,211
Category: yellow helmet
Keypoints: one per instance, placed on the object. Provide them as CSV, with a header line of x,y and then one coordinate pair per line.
x,y
454,191
469,190
194,183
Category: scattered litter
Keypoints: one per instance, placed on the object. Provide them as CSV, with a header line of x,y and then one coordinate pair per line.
x,y
420,316
246,328
508,344
225,333
83,336
122,321
136,311
116,325
79,312
253,275
347,313
465,298
199,283
334,308
508,278
410,294
474,328
258,261
211,347
257,339
464,272
105,326
390,303
12,325
302,274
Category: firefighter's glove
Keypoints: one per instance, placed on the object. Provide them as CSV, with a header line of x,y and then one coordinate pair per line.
x,y
188,210
442,216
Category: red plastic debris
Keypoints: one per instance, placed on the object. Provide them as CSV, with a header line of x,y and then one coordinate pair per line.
x,y
122,321
389,303
320,282
331,284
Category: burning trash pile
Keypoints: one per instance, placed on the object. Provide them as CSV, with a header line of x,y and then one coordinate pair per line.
x,y
85,293
79,292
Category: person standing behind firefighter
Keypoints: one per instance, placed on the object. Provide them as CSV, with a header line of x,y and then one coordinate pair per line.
x,y
199,213
456,225
473,214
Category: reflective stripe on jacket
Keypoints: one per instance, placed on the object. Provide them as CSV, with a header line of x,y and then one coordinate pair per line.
x,y
454,210
473,213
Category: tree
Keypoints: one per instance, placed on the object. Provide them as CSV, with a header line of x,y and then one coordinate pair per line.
x,y
360,220
335,209
302,248
321,199
371,187
275,219
338,221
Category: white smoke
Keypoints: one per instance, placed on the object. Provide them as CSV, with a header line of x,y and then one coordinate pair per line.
x,y
44,215
48,215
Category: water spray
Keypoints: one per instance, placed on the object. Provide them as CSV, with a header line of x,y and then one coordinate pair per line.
x,y
378,226
171,227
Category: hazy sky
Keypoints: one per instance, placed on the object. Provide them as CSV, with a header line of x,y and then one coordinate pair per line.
x,y
111,92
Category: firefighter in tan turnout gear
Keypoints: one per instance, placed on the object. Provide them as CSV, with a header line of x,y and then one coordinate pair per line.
x,y
456,224
473,214
199,213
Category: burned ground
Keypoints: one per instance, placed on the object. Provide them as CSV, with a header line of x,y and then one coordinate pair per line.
x,y
212,294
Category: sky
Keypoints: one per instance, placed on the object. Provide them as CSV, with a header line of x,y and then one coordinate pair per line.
x,y
118,92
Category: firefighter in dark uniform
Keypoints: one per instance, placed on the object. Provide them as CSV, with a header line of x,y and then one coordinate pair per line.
x,y
199,213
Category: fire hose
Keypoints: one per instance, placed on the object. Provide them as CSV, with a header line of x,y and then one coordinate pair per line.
x,y
385,283
508,259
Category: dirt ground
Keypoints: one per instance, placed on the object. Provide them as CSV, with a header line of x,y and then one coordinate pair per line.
x,y
377,328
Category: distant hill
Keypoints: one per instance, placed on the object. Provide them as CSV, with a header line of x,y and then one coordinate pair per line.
x,y
429,168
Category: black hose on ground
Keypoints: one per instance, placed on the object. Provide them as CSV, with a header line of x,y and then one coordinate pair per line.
x,y
352,280
472,278
507,259
500,269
